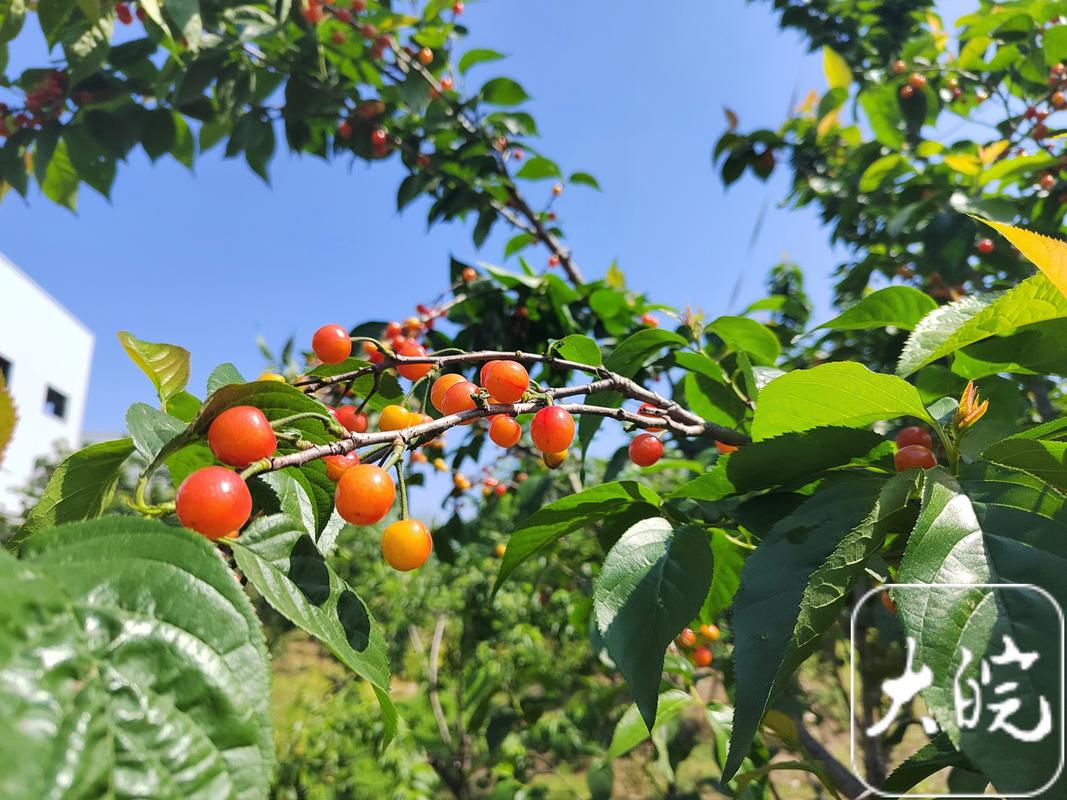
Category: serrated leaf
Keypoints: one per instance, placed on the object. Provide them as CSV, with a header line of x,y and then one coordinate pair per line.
x,y
653,581
284,565
934,756
727,560
151,429
80,488
585,509
838,394
134,666
223,375
1047,254
991,525
166,365
977,317
895,306
793,586
582,349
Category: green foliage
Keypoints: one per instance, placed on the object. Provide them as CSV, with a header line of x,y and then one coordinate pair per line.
x,y
133,664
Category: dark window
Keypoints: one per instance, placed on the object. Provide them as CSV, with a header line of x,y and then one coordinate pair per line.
x,y
5,370
55,403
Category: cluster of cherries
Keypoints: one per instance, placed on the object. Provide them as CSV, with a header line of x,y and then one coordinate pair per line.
x,y
46,101
687,642
914,449
216,502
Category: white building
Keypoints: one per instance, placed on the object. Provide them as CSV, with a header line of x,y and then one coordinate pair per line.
x,y
45,357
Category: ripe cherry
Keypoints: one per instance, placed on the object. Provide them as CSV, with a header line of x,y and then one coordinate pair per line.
x,y
888,603
459,397
331,344
984,246
917,81
686,638
1047,181
394,418
898,67
442,385
557,189
643,411
553,261
412,349
457,8
364,494
701,657
359,6
724,448
214,501
469,274
378,137
1058,100
393,329
914,455
240,435
1039,131
645,450
351,419
425,56
504,431
552,429
907,92
914,434
344,130
336,466
338,37
122,11
447,83
710,632
507,381
406,544
500,490
650,319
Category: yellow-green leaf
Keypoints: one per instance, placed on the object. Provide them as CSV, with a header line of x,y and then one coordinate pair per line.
x,y
166,365
1047,254
7,418
964,163
838,74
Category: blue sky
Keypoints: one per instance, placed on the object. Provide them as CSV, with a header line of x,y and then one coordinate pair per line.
x,y
631,94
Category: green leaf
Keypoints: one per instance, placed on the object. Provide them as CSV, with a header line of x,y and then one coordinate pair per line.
x,y
728,561
151,429
86,46
52,14
1038,349
794,459
631,730
793,586
653,581
744,335
60,183
94,165
135,666
538,168
991,525
978,317
585,509
880,104
582,349
843,393
879,170
479,56
166,365
584,179
503,92
185,15
12,15
284,565
931,758
712,400
895,306
223,375
80,488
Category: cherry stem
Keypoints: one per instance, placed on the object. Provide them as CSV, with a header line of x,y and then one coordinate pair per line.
x,y
400,479
330,424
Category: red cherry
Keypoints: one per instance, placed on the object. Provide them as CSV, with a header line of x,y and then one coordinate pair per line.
x,y
469,274
412,349
459,397
344,130
985,246
240,435
442,385
913,456
686,638
645,450
214,501
359,6
393,329
331,344
702,657
507,381
336,466
500,490
914,434
643,411
504,431
552,430
650,319
122,11
378,137
553,261
457,8
352,420
446,83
